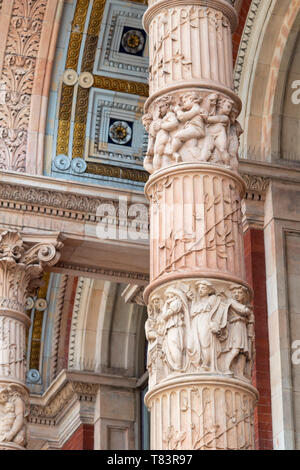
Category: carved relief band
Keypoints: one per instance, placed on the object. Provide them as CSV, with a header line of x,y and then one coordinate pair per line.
x,y
200,326
196,223
23,260
202,414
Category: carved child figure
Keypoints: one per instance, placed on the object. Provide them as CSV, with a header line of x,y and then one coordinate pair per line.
x,y
218,127
192,115
164,123
150,128
236,345
12,420
234,139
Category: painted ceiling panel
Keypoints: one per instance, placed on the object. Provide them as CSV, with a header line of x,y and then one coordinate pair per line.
x,y
99,86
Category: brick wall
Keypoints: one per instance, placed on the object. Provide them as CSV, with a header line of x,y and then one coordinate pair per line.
x,y
242,20
82,439
256,277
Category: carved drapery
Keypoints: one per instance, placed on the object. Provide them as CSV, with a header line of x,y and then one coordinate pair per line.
x,y
200,326
22,263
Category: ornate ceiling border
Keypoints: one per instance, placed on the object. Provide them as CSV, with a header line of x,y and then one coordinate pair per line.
x,y
67,92
82,97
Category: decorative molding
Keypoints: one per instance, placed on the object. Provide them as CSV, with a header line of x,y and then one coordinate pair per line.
x,y
256,186
57,326
53,203
68,395
68,389
122,86
112,274
76,311
244,43
111,171
133,294
40,305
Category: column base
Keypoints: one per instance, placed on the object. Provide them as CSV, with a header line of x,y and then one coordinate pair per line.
x,y
202,413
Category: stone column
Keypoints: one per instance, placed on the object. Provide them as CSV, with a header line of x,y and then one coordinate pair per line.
x,y
23,260
200,328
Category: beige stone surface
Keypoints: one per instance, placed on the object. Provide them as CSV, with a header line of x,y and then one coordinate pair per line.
x,y
200,326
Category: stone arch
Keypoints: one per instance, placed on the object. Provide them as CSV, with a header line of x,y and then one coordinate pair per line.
x,y
262,66
107,335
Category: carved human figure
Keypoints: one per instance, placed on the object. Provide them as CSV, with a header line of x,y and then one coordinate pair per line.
x,y
12,417
208,316
192,115
150,128
217,130
236,346
175,316
163,123
234,139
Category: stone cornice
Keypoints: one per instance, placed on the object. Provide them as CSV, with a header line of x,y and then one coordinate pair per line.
x,y
79,201
68,389
57,197
270,171
100,272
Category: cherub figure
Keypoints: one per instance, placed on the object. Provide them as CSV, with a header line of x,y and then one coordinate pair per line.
x,y
234,139
193,116
150,128
218,127
165,123
12,417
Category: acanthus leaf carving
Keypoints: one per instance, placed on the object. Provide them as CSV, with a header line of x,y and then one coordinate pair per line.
x,y
21,267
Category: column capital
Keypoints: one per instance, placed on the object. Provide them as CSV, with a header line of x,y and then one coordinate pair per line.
x,y
23,259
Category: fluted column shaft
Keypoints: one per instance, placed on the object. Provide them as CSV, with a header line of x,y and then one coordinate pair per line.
x,y
22,263
200,327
